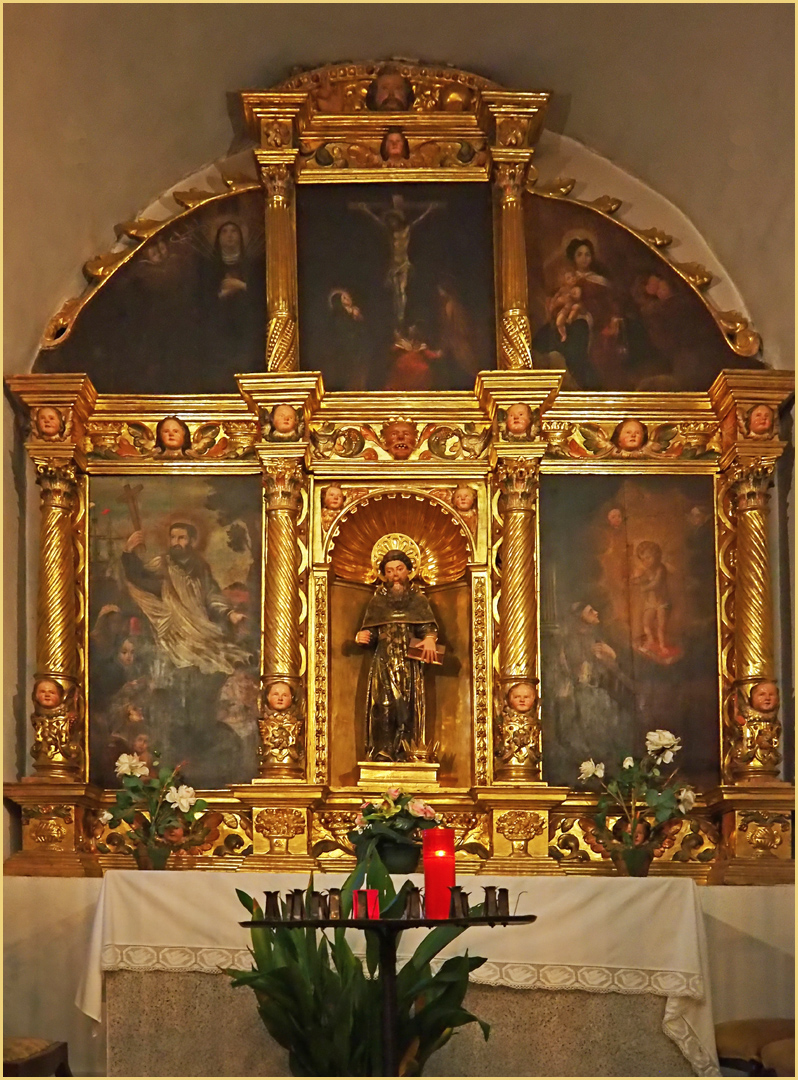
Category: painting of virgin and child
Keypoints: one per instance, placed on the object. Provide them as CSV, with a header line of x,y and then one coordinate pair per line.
x,y
628,620
174,599
395,285
610,310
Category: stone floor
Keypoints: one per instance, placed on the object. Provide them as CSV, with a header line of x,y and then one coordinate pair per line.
x,y
190,1024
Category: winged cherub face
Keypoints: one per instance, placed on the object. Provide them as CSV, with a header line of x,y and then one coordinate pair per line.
x,y
632,435
172,434
284,419
521,697
519,419
49,421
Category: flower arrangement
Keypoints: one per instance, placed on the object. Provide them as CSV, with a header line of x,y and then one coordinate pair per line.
x,y
160,811
650,802
395,820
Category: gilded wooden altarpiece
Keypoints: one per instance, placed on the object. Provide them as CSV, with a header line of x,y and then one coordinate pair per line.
x,y
392,333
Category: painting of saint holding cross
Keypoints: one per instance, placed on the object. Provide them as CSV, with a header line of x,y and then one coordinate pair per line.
x,y
396,284
174,602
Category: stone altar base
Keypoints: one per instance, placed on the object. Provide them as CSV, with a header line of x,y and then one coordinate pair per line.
x,y
192,1024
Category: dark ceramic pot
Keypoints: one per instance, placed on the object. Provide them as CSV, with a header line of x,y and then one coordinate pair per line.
x,y
632,861
152,856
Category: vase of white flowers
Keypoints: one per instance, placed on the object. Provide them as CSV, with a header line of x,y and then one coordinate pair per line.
x,y
647,802
160,812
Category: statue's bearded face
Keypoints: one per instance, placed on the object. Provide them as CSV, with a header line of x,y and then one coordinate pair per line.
x,y
396,576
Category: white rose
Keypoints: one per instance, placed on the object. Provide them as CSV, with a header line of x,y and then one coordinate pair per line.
x,y
105,817
590,768
183,798
131,765
628,762
662,745
685,799
417,807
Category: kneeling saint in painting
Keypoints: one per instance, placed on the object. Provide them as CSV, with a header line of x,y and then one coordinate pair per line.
x,y
395,706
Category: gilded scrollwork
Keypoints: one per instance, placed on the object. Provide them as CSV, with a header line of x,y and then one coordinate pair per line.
x,y
698,841
320,680
633,439
471,831
694,273
170,439
281,750
329,829
393,151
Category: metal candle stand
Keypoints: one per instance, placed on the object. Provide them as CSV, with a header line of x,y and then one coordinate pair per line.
x,y
325,911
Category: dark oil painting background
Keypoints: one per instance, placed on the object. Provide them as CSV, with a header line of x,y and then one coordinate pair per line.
x,y
181,316
447,334
605,680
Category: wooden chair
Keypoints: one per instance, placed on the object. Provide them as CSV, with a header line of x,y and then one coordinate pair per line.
x,y
35,1057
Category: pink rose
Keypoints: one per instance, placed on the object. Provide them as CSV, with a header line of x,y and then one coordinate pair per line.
x,y
393,793
360,820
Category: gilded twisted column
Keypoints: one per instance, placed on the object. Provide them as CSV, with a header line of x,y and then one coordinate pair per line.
x,y
755,732
517,730
56,749
516,337
281,724
281,330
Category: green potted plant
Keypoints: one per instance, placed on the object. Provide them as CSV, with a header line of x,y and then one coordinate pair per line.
x,y
391,828
317,1001
161,813
651,803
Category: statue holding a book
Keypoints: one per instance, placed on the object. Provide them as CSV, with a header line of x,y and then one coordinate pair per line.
x,y
400,623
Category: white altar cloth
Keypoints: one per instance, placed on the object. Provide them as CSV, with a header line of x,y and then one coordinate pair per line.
x,y
602,935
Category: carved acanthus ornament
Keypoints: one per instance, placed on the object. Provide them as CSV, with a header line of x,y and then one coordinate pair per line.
x,y
279,826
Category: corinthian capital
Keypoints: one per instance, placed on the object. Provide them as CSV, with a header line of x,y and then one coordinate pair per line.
x,y
510,177
282,479
58,483
518,480
752,482
277,178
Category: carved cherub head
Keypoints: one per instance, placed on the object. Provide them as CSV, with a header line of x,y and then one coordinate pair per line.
x,y
394,147
280,697
172,435
284,421
464,498
49,422
760,420
519,419
48,693
521,697
764,696
630,435
333,497
399,437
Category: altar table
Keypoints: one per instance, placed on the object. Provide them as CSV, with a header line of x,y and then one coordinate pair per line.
x,y
642,938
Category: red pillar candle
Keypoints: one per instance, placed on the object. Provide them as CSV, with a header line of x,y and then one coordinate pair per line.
x,y
438,872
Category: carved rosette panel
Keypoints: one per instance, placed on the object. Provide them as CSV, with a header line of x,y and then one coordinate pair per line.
x,y
519,827
279,825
